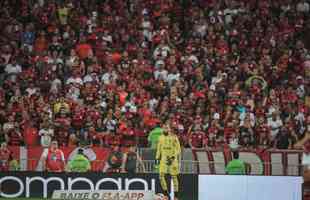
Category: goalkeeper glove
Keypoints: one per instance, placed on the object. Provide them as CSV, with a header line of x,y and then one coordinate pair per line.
x,y
170,160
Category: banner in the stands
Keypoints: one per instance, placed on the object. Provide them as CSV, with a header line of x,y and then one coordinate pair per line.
x,y
31,158
261,162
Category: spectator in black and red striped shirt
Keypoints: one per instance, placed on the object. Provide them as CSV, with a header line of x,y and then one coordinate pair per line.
x,y
15,137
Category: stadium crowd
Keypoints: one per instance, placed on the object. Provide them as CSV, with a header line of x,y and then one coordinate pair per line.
x,y
100,72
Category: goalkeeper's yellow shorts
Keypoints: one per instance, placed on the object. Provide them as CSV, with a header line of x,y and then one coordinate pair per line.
x,y
172,169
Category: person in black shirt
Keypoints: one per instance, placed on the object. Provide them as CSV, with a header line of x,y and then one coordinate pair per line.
x,y
115,159
2,135
131,160
285,139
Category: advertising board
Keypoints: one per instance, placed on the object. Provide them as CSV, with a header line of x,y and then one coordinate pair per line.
x,y
224,187
38,184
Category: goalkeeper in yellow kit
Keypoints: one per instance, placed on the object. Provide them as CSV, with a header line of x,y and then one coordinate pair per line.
x,y
168,153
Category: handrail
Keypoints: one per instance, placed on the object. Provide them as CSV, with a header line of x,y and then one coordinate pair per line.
x,y
186,166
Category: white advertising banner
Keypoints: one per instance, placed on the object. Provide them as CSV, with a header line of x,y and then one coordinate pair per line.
x,y
225,187
103,195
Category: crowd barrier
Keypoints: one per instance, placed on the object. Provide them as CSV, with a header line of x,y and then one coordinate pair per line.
x,y
200,171
193,161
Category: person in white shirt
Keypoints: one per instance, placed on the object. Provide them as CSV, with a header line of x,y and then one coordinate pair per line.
x,y
272,108
218,78
173,76
161,51
31,89
109,122
91,77
161,73
286,7
13,67
190,58
74,93
108,77
153,103
303,6
129,107
73,59
146,26
275,123
200,28
107,36
247,116
10,124
54,59
56,85
300,91
75,80
46,134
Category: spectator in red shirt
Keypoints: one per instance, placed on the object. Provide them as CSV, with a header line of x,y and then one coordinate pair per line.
x,y
30,134
83,49
229,130
262,134
15,137
197,139
53,158
4,157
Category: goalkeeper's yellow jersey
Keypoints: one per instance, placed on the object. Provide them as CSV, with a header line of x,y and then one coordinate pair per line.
x,y
168,146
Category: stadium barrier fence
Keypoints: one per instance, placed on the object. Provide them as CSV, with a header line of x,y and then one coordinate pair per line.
x,y
192,161
186,167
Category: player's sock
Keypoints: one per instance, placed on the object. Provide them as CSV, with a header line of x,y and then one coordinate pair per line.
x,y
176,194
175,183
163,182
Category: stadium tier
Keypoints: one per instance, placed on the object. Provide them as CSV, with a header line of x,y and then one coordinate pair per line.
x,y
171,86
102,72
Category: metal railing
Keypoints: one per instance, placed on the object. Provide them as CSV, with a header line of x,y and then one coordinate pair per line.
x,y
211,167
186,167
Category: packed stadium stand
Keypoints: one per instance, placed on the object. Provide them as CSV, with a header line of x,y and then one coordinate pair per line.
x,y
100,73
222,72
